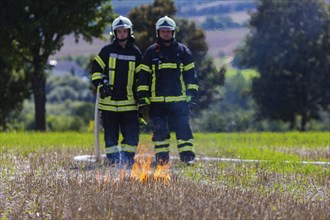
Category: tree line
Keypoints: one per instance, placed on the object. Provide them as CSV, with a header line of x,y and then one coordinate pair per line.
x,y
288,45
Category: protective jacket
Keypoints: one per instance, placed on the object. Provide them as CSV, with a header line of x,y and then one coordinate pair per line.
x,y
119,65
167,74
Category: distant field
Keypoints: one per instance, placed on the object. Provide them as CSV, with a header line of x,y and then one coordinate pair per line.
x,y
70,47
239,17
224,42
220,42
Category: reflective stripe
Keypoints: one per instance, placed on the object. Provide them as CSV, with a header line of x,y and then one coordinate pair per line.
x,y
168,99
112,67
193,86
190,141
145,68
128,148
153,82
112,149
167,66
122,57
143,88
100,62
183,85
186,148
117,108
158,143
162,150
138,68
130,80
117,103
181,67
189,66
96,75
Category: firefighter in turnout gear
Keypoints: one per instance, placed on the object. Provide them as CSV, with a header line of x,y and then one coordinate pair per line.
x,y
114,75
167,88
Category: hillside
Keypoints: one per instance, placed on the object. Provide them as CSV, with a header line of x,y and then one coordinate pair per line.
x,y
223,43
220,42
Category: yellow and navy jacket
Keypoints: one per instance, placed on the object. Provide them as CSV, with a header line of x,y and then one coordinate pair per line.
x,y
167,74
120,65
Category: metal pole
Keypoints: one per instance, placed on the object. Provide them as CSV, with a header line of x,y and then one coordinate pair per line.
x,y
97,128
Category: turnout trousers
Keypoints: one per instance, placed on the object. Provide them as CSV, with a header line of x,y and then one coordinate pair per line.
x,y
166,116
127,123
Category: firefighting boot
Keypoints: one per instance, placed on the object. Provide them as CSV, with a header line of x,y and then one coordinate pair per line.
x,y
112,160
162,158
127,159
188,157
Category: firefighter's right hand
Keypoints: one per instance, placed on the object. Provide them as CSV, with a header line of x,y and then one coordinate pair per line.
x,y
105,90
144,104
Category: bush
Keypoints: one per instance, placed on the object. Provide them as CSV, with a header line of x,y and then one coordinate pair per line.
x,y
65,123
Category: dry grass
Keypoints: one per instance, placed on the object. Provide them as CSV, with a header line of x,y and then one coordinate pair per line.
x,y
47,184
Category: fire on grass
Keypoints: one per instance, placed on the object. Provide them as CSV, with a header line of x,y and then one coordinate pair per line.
x,y
142,170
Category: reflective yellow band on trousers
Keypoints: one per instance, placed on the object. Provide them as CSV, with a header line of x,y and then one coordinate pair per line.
x,y
186,148
168,98
162,150
128,148
112,149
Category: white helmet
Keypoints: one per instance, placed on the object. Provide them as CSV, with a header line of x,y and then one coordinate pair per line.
x,y
166,22
121,22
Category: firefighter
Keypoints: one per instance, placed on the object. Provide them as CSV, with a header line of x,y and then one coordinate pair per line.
x,y
167,88
114,75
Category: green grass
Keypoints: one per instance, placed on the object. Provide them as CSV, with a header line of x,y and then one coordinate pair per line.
x,y
276,148
261,146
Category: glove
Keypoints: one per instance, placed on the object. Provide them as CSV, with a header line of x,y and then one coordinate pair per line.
x,y
144,104
192,102
96,83
141,119
105,90
192,99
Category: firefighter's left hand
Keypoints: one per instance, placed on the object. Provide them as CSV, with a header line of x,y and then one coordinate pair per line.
x,y
142,121
144,104
191,98
192,102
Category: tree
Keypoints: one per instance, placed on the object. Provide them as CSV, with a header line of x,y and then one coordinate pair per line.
x,y
36,29
288,45
14,88
144,19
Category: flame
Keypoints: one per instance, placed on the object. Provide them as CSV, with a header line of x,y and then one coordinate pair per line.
x,y
162,173
142,170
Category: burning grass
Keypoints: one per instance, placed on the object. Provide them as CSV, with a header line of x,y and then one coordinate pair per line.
x,y
46,183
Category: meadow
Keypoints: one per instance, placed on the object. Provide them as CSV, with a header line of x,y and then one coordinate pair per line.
x,y
40,179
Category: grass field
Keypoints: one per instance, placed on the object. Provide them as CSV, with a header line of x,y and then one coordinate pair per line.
x,y
40,179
